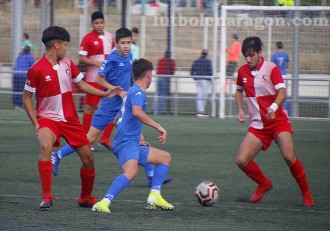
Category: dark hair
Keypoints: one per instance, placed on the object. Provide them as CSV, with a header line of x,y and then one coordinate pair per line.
x,y
235,36
167,54
54,33
252,43
26,50
123,33
205,52
140,67
279,45
26,35
97,15
135,30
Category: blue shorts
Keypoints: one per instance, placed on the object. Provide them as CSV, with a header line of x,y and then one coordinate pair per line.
x,y
132,151
100,121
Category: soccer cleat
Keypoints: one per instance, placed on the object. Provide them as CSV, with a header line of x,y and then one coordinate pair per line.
x,y
156,201
101,207
92,148
308,199
87,202
46,203
260,192
105,143
55,162
166,180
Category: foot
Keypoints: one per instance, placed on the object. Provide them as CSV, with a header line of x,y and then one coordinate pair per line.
x,y
261,191
156,201
202,115
87,202
46,203
101,207
308,199
55,162
92,148
166,180
106,143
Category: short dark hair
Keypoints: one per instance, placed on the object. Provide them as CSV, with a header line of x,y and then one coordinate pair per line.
x,y
123,33
54,33
135,30
235,36
97,15
205,52
26,35
140,67
279,45
26,50
252,43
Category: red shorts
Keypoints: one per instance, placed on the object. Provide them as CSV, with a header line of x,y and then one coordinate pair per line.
x,y
270,133
73,132
93,100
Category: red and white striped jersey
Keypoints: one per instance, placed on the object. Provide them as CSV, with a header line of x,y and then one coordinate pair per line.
x,y
96,47
52,86
260,89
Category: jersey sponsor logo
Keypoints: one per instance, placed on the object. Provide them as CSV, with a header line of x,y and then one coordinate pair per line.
x,y
121,65
139,93
96,43
48,78
264,78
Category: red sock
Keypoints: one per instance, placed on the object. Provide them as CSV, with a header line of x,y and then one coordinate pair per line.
x,y
107,132
87,181
45,172
298,172
87,120
253,171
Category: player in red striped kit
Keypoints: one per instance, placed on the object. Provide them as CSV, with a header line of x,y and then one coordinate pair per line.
x,y
265,92
94,48
50,79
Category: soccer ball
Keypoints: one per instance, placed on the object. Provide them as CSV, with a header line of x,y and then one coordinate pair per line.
x,y
207,193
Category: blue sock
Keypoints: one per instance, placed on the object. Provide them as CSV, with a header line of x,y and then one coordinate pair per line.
x,y
160,173
118,185
65,151
149,169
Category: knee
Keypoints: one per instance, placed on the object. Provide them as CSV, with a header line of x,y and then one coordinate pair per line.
x,y
131,174
241,162
88,161
167,158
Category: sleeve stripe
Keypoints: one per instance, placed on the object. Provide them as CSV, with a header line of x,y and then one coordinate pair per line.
x,y
83,53
238,87
280,85
30,89
78,78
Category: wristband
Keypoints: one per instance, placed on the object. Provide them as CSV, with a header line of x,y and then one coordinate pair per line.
x,y
274,106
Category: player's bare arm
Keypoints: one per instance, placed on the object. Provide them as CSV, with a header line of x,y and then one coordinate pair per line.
x,y
144,118
27,102
239,103
143,142
281,96
85,60
85,87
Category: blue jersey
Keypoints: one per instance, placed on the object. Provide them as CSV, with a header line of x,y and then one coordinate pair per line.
x,y
281,59
117,70
129,128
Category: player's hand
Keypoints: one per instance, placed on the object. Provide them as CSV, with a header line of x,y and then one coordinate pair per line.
x,y
115,91
36,128
162,135
123,94
270,113
240,116
144,143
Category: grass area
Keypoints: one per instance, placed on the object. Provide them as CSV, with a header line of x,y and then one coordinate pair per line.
x,y
202,149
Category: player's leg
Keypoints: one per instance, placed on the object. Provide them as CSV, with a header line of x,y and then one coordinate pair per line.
x,y
57,156
46,139
129,165
87,175
285,143
162,160
105,138
149,170
249,148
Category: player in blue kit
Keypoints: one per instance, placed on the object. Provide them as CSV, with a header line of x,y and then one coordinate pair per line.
x,y
129,146
116,70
